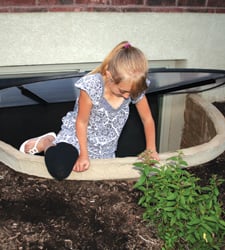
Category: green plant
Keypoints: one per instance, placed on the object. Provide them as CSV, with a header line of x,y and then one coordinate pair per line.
x,y
186,215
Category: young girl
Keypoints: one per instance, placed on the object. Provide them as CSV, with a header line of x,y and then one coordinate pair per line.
x,y
92,129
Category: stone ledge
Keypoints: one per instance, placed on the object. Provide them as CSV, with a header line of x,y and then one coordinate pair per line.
x,y
122,168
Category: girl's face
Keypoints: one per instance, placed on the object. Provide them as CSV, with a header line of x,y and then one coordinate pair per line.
x,y
122,89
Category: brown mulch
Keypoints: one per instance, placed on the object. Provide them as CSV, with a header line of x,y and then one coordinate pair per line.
x,y
37,213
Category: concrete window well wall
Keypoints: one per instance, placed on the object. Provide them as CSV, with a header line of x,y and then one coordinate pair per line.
x,y
185,119
64,36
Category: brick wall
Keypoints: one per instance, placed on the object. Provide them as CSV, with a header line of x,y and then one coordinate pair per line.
x,y
203,6
198,128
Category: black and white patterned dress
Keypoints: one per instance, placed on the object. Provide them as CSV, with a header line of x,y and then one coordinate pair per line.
x,y
105,122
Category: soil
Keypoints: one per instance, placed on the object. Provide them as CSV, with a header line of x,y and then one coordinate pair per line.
x,y
38,213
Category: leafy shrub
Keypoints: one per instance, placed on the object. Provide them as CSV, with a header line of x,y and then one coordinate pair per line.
x,y
186,215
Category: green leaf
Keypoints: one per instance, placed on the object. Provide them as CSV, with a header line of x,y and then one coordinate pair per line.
x,y
194,222
140,181
171,196
172,221
139,164
141,200
173,158
182,201
141,188
222,222
169,209
156,170
191,238
211,218
197,236
170,203
146,170
173,186
202,209
185,216
209,205
206,189
209,229
183,163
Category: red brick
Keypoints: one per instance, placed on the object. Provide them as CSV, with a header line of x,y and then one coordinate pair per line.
x,y
192,3
64,8
216,3
4,10
54,2
17,2
220,10
166,9
199,10
92,1
127,2
161,2
27,10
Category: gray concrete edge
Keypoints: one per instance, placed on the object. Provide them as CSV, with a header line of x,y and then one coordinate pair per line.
x,y
122,168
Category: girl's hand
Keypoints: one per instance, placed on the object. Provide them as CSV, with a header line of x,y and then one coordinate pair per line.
x,y
149,155
155,156
82,164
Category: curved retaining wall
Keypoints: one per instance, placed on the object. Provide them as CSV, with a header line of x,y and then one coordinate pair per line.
x,y
122,168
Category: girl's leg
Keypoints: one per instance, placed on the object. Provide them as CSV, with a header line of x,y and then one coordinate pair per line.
x,y
60,160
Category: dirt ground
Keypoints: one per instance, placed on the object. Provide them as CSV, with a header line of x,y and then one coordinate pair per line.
x,y
36,213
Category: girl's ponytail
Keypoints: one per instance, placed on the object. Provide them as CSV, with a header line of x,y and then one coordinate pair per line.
x,y
103,67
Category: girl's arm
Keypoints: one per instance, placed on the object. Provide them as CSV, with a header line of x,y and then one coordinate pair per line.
x,y
84,109
149,125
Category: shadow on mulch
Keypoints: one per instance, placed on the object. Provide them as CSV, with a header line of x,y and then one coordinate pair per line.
x,y
38,213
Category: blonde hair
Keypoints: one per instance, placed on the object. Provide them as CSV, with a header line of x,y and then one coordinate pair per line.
x,y
128,64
